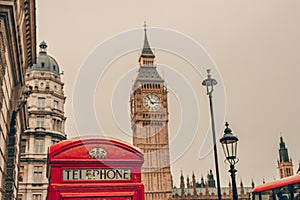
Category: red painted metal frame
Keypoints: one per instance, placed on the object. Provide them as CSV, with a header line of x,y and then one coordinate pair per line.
x,y
74,154
278,183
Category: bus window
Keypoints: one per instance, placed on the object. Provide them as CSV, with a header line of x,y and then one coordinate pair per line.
x,y
297,191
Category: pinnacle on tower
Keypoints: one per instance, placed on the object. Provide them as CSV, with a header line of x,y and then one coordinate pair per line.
x,y
188,182
285,163
252,184
283,151
146,48
147,57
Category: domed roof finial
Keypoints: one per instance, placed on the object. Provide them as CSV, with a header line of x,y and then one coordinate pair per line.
x,y
43,46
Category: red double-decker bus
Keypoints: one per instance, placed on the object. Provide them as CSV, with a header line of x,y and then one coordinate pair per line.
x,y
283,189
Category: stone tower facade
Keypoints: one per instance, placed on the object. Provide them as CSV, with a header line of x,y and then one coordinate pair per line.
x,y
149,123
285,163
46,124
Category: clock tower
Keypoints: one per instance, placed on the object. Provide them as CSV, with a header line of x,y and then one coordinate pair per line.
x,y
149,123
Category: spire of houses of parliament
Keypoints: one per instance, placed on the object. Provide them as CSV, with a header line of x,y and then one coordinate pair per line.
x,y
285,163
206,189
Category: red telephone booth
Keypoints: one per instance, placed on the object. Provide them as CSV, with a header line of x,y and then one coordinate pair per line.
x,y
94,169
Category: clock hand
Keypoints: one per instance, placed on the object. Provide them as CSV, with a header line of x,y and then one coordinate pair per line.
x,y
150,100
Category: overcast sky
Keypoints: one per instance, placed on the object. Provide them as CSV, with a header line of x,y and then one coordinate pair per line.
x,y
252,46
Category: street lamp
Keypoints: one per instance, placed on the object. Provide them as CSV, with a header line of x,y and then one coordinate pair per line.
x,y
209,83
229,144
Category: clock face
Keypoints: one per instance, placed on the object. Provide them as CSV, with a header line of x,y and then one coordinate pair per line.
x,y
152,102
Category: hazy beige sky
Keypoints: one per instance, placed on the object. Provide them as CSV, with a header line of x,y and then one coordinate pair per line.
x,y
255,46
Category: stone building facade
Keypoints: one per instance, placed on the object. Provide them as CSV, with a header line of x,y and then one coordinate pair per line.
x,y
17,52
149,123
46,124
206,189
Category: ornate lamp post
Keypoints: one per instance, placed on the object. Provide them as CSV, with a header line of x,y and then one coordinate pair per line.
x,y
229,144
209,83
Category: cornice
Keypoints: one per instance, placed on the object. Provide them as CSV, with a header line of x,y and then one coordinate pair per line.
x,y
45,112
30,30
44,133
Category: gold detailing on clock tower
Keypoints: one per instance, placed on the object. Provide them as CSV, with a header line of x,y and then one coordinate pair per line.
x,y
149,123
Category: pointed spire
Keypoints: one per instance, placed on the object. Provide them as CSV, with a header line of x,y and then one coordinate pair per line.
x,y
146,48
252,184
283,151
202,181
188,182
194,185
282,144
242,187
182,184
193,176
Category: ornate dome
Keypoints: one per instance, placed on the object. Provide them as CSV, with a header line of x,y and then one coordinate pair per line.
x,y
44,61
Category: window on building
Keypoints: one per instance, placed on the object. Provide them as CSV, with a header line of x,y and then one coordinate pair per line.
x,y
41,102
54,141
37,197
55,104
21,174
288,172
39,145
37,174
56,125
20,196
39,121
53,124
23,146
